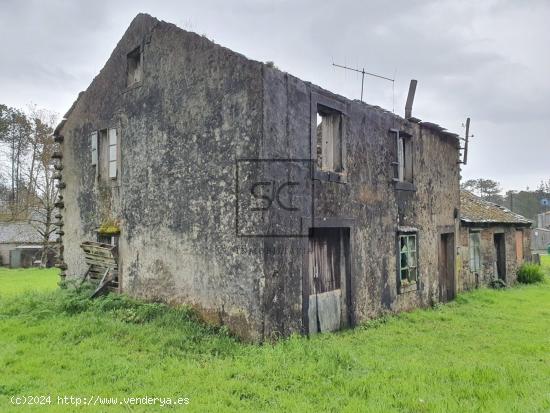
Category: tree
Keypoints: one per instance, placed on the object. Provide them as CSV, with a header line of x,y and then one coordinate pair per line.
x,y
486,189
544,187
28,186
15,133
42,189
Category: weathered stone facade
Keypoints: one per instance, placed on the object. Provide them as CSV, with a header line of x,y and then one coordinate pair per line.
x,y
497,229
183,127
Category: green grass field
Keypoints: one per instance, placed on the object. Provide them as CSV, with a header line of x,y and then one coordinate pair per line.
x,y
489,351
18,281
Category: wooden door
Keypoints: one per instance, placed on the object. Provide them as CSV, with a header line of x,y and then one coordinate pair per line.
x,y
328,262
500,256
447,288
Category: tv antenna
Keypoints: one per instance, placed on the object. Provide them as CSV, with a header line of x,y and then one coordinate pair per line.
x,y
363,73
466,139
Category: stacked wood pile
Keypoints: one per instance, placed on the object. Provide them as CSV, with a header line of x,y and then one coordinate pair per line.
x,y
102,260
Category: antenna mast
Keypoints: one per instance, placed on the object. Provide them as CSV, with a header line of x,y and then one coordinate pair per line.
x,y
363,73
466,139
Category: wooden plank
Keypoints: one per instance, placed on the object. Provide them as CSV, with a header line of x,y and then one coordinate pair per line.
x,y
85,276
103,284
102,260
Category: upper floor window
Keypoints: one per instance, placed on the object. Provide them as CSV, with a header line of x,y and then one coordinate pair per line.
x,y
113,149
404,157
329,139
404,162
94,143
104,146
134,67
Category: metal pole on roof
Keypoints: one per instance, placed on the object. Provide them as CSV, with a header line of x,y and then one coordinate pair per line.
x,y
362,81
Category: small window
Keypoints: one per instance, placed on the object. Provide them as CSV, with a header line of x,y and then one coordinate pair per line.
x,y
112,154
93,139
475,252
329,139
108,239
404,162
134,70
408,263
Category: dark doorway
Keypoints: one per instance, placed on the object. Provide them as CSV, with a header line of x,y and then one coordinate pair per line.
x,y
447,290
500,256
328,307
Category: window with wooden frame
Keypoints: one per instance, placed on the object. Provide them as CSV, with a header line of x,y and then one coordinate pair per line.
x,y
113,153
408,259
109,239
329,139
94,144
404,162
104,144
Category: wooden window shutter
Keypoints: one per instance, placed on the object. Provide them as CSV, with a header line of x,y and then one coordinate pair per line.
x,y
93,139
400,158
113,153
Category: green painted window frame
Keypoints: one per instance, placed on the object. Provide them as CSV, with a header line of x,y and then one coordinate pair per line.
x,y
408,258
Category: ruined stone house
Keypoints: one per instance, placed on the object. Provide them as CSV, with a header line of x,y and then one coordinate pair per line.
x,y
267,203
494,242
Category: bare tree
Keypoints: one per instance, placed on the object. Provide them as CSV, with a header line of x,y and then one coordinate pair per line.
x,y
42,189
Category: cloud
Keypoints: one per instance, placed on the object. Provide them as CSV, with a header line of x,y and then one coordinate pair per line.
x,y
487,60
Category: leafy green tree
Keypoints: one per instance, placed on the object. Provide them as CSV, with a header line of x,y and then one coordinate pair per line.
x,y
15,133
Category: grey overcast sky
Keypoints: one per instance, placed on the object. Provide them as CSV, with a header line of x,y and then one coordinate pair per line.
x,y
489,60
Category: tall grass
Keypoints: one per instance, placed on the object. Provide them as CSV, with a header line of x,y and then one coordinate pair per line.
x,y
530,273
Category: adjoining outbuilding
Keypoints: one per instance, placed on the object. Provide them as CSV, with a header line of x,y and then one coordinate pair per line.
x,y
494,242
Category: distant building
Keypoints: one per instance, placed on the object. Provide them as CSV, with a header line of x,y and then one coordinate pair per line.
x,y
494,241
543,220
540,238
20,245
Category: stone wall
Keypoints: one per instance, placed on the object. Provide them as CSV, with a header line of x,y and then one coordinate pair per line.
x,y
197,108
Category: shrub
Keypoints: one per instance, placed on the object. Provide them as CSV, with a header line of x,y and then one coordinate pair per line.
x,y
530,273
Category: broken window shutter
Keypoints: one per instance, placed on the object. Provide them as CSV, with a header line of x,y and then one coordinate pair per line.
x,y
112,153
93,138
400,158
